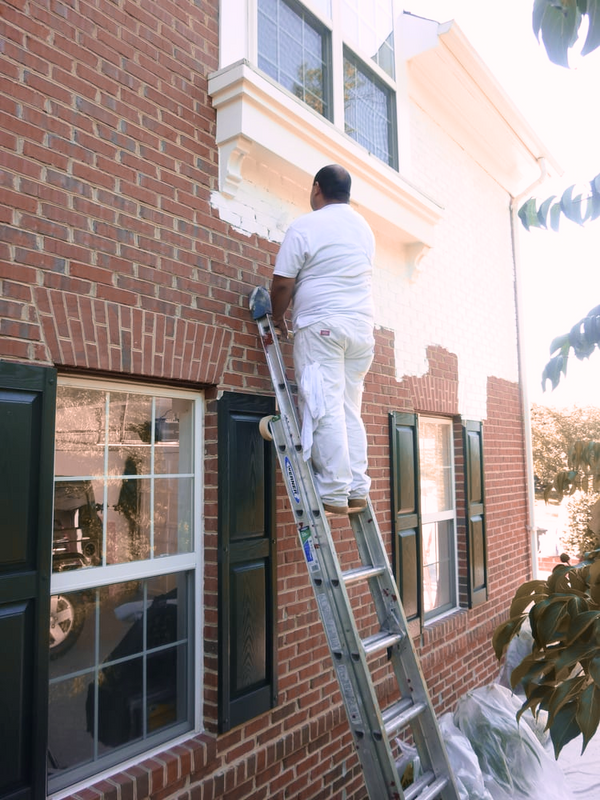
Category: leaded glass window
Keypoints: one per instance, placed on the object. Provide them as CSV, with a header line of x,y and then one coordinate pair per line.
x,y
369,110
293,49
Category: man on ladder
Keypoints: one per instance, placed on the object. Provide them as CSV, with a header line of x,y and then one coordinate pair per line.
x,y
325,267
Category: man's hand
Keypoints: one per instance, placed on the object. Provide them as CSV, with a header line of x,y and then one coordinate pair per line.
x,y
281,328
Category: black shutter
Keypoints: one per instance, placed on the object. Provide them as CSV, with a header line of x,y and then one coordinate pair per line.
x,y
406,548
27,412
475,508
247,561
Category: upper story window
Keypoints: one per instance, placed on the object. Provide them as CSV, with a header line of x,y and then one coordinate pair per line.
x,y
345,73
293,48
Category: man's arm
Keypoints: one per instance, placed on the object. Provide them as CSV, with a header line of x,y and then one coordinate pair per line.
x,y
282,290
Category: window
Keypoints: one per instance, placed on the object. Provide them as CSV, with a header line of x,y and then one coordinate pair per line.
x,y
125,574
293,49
296,48
438,515
425,548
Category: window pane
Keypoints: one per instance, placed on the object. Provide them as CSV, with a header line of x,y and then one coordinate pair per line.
x,y
438,566
139,504
370,27
368,110
435,452
78,526
291,49
125,676
80,423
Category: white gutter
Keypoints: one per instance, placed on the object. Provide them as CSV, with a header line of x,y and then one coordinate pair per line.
x,y
514,223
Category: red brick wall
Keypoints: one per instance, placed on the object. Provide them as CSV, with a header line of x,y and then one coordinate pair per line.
x,y
112,262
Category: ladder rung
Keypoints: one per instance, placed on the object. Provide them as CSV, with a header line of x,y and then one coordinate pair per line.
x,y
361,573
424,789
381,641
397,716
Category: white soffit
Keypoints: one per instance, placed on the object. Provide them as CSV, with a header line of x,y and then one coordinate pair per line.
x,y
261,125
452,85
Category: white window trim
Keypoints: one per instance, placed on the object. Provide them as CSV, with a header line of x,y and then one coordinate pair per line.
x,y
115,573
271,145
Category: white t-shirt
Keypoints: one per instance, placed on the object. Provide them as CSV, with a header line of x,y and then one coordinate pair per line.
x,y
330,254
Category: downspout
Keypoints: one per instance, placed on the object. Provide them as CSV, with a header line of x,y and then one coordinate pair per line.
x,y
514,222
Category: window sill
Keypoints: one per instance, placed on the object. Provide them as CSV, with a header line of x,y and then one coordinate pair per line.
x,y
270,147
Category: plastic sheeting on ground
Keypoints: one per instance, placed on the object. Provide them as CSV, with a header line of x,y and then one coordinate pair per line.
x,y
512,760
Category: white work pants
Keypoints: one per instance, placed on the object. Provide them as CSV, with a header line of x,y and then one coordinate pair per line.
x,y
342,348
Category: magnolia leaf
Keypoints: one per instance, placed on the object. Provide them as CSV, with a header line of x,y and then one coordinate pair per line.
x,y
531,671
574,654
530,587
560,343
564,727
542,213
594,669
548,619
528,214
581,624
588,713
558,24
566,692
593,37
556,367
538,696
555,212
520,605
572,207
503,634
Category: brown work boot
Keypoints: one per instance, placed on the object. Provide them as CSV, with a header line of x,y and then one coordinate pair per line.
x,y
331,510
357,503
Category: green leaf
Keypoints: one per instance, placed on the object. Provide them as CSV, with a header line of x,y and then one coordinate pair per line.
x,y
572,207
593,37
564,727
548,618
542,213
588,713
574,654
581,624
528,214
558,24
556,367
594,669
503,634
555,217
559,342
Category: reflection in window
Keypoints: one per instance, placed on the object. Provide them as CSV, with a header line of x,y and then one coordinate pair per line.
x,y
438,515
368,105
370,26
124,675
292,49
124,482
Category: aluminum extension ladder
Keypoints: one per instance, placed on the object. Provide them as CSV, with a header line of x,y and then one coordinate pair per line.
x,y
373,729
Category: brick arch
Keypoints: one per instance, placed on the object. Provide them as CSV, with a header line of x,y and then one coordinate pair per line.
x,y
437,391
91,333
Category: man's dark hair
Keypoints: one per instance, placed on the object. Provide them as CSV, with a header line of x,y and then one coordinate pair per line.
x,y
335,182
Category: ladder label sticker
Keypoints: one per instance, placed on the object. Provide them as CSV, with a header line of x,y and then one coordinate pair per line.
x,y
329,622
309,549
291,479
348,693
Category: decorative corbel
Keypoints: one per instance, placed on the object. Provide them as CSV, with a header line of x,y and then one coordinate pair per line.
x,y
231,158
